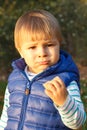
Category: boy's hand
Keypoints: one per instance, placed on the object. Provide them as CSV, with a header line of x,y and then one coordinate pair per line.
x,y
56,90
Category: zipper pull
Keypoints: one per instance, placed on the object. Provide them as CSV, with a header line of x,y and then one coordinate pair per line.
x,y
27,91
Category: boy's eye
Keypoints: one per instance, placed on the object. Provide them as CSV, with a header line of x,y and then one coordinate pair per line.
x,y
51,44
32,47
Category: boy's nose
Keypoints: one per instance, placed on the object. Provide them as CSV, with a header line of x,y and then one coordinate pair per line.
x,y
42,52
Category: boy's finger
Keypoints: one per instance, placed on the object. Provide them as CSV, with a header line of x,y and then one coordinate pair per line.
x,y
59,81
46,84
49,86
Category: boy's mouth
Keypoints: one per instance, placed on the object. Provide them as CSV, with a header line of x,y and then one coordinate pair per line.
x,y
43,62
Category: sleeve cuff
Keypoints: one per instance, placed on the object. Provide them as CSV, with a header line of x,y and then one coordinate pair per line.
x,y
65,105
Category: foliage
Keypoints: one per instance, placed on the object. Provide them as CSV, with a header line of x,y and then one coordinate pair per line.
x,y
72,16
84,98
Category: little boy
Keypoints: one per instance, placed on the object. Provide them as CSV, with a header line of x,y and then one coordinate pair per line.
x,y
43,90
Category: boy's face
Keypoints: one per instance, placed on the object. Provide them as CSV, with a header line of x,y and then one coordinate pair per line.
x,y
40,55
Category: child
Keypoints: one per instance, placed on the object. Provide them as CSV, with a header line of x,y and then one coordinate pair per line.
x,y
43,90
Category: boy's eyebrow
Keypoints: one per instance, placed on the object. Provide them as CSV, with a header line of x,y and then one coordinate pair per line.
x,y
35,43
42,41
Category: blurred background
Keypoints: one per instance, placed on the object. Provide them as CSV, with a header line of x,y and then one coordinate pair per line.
x,y
72,16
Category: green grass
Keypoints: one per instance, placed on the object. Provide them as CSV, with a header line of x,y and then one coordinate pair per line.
x,y
83,95
2,91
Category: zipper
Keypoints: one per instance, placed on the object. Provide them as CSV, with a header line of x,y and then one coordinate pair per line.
x,y
27,91
25,99
24,106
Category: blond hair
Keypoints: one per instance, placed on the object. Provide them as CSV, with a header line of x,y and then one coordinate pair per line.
x,y
36,25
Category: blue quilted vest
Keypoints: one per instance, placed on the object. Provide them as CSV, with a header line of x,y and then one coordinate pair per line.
x,y
30,108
